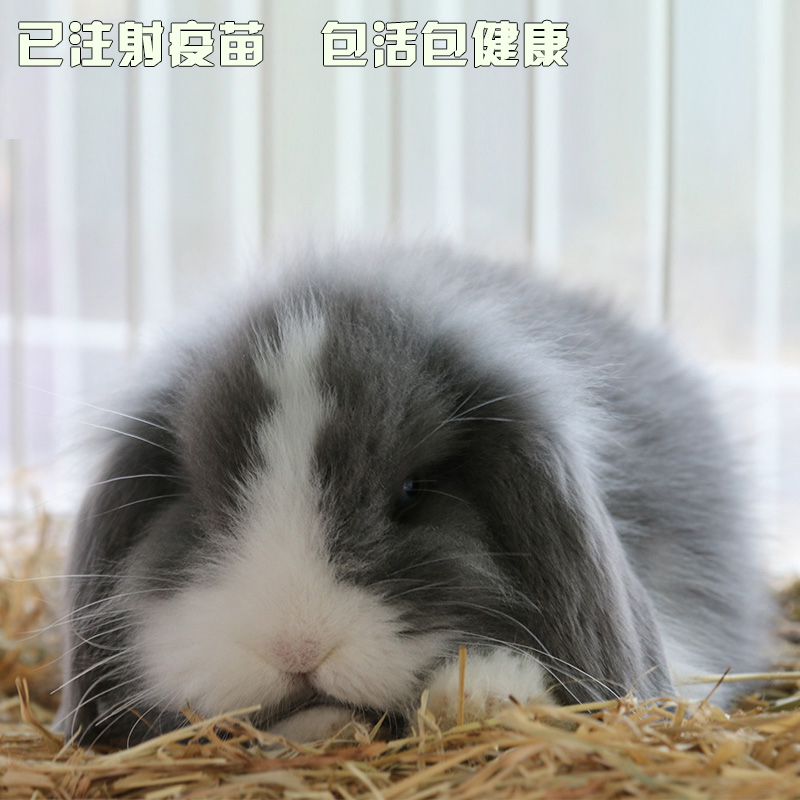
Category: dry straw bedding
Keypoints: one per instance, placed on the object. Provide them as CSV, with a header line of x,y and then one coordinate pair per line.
x,y
614,750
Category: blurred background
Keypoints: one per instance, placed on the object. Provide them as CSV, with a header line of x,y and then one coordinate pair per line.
x,y
658,166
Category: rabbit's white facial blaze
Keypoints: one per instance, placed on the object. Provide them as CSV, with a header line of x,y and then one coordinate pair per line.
x,y
274,621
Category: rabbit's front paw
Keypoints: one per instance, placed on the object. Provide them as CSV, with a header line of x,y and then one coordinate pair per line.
x,y
490,681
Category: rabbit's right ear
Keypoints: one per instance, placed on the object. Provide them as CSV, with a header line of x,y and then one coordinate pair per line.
x,y
132,487
138,475
589,609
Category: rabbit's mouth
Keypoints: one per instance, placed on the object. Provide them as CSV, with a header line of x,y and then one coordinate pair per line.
x,y
304,697
310,715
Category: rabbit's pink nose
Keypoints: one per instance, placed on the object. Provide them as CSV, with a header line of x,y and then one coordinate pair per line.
x,y
297,655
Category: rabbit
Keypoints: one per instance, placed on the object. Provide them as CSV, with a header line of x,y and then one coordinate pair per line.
x,y
315,496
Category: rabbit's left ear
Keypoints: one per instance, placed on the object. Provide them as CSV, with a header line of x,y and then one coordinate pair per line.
x,y
589,609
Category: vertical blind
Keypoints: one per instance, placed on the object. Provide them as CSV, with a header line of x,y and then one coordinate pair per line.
x,y
658,166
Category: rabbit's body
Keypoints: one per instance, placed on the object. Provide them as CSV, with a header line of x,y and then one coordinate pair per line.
x,y
318,500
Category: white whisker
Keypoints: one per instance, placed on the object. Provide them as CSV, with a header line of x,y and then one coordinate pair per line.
x,y
102,662
445,494
125,433
85,700
132,503
96,408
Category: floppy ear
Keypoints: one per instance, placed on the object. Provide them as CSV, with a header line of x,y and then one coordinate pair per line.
x,y
111,518
589,608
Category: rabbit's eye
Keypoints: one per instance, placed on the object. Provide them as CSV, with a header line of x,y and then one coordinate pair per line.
x,y
408,494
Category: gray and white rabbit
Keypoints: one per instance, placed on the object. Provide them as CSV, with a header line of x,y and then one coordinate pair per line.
x,y
310,504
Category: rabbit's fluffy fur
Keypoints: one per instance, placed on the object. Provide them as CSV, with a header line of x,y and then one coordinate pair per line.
x,y
313,501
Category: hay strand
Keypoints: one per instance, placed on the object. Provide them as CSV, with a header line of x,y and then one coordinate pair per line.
x,y
462,672
614,749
